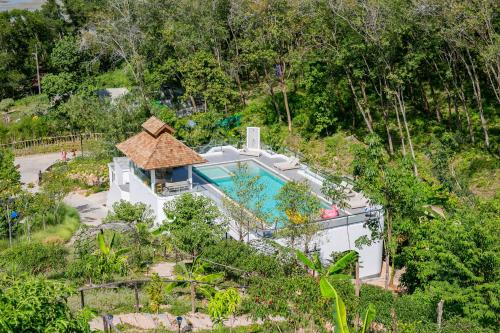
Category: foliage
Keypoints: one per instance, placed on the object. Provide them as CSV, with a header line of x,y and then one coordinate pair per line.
x,y
34,258
124,211
223,305
194,276
9,175
155,291
300,209
102,265
59,85
30,304
193,221
239,259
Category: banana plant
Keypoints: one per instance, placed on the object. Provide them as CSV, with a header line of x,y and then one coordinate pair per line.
x,y
198,281
110,261
340,316
333,271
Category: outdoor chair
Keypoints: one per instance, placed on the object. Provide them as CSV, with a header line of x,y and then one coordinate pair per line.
x,y
347,188
293,163
249,152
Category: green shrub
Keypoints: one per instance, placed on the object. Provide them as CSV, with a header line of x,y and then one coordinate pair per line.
x,y
29,304
241,256
34,258
383,301
464,325
6,104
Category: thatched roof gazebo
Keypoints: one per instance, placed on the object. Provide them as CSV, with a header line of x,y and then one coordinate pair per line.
x,y
159,159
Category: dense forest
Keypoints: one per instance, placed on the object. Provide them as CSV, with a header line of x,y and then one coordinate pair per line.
x,y
403,96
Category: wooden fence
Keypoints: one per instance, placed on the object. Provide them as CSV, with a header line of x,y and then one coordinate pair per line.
x,y
54,143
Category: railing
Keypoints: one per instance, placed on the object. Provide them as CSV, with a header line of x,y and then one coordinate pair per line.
x,y
203,149
194,189
73,140
336,222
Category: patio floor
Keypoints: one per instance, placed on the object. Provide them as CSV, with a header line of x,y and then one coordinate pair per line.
x,y
230,154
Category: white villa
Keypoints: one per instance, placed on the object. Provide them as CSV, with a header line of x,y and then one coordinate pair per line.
x,y
158,167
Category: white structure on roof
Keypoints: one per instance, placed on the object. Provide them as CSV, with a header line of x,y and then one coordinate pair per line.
x,y
253,138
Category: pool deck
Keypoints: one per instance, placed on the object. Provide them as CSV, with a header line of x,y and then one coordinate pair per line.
x,y
230,154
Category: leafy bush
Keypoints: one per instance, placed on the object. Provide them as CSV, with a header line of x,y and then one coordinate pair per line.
x,y
34,258
5,104
29,304
242,256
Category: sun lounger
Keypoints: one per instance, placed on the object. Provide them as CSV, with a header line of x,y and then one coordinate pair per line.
x,y
248,152
289,165
347,189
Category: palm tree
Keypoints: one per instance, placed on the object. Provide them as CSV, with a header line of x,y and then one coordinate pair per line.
x,y
194,276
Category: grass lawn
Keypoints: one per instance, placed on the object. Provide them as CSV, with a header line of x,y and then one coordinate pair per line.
x,y
60,233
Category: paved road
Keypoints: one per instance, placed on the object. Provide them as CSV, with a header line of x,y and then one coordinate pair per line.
x,y
91,208
29,165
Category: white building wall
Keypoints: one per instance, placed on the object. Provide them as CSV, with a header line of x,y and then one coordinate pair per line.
x,y
140,192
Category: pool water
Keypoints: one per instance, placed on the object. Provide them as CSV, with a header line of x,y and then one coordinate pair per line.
x,y
221,176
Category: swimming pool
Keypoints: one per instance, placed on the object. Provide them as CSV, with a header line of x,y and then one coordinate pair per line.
x,y
220,175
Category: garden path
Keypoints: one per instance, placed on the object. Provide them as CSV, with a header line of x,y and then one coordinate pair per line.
x,y
29,166
164,269
91,208
147,321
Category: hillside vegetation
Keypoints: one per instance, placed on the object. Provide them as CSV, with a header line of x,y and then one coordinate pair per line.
x,y
403,97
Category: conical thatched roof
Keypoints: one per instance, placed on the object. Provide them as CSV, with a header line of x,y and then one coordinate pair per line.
x,y
156,148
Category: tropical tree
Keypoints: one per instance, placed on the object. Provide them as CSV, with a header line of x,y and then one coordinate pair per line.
x,y
193,275
333,271
299,208
393,185
193,222
246,202
223,305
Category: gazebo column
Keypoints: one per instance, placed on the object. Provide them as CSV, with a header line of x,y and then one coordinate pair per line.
x,y
153,179
190,176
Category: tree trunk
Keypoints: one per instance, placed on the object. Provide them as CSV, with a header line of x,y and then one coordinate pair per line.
x,y
193,103
436,102
403,112
285,99
193,297
358,104
273,95
467,115
471,70
387,250
400,129
387,130
242,96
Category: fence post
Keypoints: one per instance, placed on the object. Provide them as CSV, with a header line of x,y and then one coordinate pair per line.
x,y
105,324
82,299
136,297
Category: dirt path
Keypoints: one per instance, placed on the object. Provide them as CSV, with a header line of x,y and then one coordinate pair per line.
x,y
147,321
